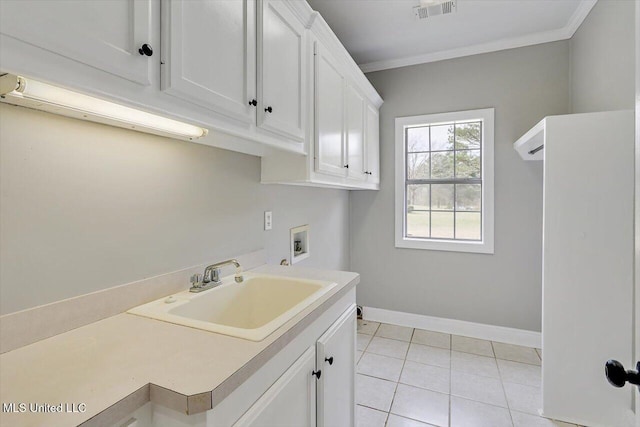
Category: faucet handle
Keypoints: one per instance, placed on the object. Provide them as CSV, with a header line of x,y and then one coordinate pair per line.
x,y
196,280
239,278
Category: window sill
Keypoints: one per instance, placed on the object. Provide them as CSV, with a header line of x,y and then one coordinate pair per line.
x,y
483,247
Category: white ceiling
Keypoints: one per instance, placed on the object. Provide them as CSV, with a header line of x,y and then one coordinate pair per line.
x,y
382,34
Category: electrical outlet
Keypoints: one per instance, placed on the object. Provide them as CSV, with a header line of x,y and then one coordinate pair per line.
x,y
268,217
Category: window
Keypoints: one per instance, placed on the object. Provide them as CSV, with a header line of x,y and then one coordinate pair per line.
x,y
444,181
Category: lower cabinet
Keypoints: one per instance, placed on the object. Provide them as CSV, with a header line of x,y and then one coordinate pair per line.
x,y
291,401
318,389
335,358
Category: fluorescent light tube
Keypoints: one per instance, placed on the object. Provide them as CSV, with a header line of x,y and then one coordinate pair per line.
x,y
42,96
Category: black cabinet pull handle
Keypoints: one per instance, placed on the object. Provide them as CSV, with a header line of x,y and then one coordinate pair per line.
x,y
268,109
346,166
329,359
317,373
618,376
145,50
253,102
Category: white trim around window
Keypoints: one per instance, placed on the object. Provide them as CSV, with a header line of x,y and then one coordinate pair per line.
x,y
485,243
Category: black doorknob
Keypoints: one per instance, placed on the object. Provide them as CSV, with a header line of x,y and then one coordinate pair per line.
x,y
269,109
346,166
618,376
146,50
253,102
329,359
317,373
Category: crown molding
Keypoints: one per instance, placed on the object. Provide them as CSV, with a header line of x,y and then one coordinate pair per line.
x,y
579,16
563,33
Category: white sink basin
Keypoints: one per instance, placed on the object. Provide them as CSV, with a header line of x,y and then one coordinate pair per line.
x,y
252,309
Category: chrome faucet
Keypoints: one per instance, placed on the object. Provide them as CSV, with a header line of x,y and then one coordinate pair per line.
x,y
211,277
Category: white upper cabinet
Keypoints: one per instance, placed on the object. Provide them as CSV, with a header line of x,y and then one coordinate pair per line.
x,y
209,54
355,133
343,132
372,144
265,77
103,34
281,70
329,114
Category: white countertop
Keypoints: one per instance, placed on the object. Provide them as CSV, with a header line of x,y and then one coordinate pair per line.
x,y
106,364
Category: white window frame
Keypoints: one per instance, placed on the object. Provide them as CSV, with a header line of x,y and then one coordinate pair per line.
x,y
485,245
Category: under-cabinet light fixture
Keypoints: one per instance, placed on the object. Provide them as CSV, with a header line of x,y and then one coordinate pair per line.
x,y
34,94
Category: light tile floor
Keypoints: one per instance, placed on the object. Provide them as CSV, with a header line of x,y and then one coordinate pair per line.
x,y
413,378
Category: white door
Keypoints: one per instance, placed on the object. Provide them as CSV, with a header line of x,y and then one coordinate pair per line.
x,y
104,34
355,134
329,114
281,71
208,54
372,144
335,357
290,401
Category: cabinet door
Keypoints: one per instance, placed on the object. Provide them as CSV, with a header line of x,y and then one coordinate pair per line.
x,y
282,74
208,54
336,356
104,34
372,144
290,401
355,134
329,114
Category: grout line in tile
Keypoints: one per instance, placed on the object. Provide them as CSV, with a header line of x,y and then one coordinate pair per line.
x,y
517,361
377,378
414,419
504,392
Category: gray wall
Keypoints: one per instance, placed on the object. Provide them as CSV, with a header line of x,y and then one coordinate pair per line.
x,y
523,85
85,207
603,59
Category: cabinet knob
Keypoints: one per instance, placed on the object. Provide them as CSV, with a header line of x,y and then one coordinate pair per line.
x,y
329,359
268,109
253,102
346,166
146,50
618,376
317,373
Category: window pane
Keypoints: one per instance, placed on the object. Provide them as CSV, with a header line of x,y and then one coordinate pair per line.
x,y
442,137
417,197
418,224
468,164
468,225
418,166
468,197
418,139
442,225
442,197
442,165
468,136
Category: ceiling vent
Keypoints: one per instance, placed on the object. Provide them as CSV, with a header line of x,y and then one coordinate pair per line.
x,y
429,8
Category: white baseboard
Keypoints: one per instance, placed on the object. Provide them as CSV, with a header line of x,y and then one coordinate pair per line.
x,y
456,327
